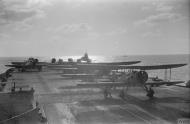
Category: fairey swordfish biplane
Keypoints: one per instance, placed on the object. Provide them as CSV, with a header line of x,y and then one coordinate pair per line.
x,y
131,76
30,64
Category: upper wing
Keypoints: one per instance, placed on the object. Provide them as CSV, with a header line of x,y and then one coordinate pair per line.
x,y
115,67
158,83
117,63
154,67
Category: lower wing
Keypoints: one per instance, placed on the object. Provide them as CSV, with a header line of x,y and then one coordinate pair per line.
x,y
95,85
159,83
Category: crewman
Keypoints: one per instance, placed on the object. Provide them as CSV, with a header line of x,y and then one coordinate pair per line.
x,y
20,89
123,92
150,92
107,92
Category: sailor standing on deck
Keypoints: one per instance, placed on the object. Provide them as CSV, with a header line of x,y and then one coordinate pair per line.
x,y
107,92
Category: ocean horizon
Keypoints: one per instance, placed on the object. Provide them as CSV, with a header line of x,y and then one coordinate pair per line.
x,y
182,73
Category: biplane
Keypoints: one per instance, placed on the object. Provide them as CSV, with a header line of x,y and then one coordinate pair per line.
x,y
4,76
91,68
134,76
29,64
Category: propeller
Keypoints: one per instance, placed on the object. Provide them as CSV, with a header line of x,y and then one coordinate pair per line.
x,y
142,76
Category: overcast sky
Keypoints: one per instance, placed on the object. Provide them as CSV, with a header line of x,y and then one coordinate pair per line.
x,y
101,27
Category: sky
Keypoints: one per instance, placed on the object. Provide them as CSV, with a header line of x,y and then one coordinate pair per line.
x,y
99,27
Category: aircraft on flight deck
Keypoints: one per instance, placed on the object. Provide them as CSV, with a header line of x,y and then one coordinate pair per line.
x,y
29,64
128,79
4,76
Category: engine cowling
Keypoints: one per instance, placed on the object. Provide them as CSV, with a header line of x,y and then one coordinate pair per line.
x,y
142,76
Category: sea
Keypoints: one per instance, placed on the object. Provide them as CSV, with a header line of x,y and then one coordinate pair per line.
x,y
181,73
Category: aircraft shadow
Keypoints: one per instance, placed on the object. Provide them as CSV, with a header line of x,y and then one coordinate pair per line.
x,y
99,117
102,102
170,100
153,106
165,112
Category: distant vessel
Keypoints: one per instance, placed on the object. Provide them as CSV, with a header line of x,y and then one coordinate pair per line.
x,y
86,60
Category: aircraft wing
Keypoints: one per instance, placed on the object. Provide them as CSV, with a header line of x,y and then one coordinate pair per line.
x,y
159,83
42,64
115,67
21,65
79,75
116,84
117,63
16,66
154,67
18,63
68,75
95,85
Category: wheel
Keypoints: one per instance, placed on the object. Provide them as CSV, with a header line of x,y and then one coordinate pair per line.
x,y
122,94
150,93
105,94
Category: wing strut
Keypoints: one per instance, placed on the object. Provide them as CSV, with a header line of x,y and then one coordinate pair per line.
x,y
166,75
170,74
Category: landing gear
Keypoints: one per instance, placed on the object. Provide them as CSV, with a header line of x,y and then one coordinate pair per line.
x,y
40,68
107,93
150,93
23,70
122,92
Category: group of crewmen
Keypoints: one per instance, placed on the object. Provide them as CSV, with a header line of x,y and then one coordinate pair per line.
x,y
107,92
